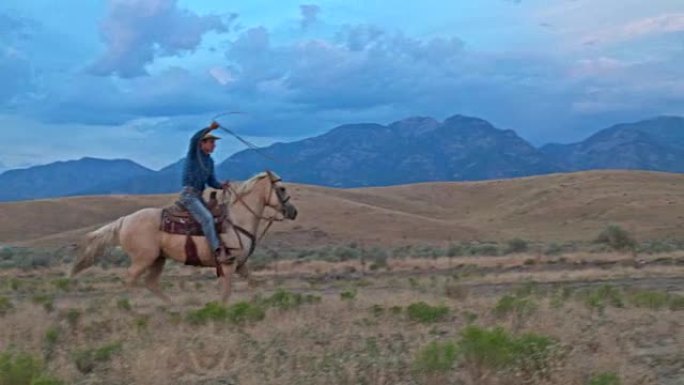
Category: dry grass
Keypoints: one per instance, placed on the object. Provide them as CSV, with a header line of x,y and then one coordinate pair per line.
x,y
557,207
334,341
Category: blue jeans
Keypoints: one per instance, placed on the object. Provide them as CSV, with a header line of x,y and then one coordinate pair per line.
x,y
191,199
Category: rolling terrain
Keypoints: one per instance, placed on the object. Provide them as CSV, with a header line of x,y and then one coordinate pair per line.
x,y
557,207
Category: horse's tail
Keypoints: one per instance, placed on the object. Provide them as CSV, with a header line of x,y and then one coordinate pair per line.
x,y
95,244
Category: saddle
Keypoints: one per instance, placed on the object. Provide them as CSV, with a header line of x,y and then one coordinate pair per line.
x,y
176,219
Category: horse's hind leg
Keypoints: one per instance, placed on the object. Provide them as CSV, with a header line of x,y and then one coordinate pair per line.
x,y
140,262
225,281
152,279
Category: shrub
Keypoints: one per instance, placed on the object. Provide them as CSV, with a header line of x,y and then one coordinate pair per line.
x,y
553,249
73,316
244,312
343,253
454,251
238,313
124,304
5,305
602,297
654,300
23,369
51,338
46,300
213,311
608,378
519,306
424,313
87,360
63,284
616,238
436,357
676,302
283,299
348,295
516,245
484,249
495,350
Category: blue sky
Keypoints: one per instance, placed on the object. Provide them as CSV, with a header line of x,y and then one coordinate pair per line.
x,y
135,78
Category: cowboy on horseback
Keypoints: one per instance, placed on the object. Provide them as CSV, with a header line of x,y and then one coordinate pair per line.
x,y
198,172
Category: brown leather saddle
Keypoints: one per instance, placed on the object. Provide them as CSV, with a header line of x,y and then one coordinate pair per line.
x,y
176,219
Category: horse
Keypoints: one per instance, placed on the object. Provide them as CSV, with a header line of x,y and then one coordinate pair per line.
x,y
148,247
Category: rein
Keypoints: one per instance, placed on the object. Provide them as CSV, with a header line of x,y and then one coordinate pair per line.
x,y
270,220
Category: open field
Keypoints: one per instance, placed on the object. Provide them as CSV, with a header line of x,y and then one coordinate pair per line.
x,y
552,208
594,317
487,283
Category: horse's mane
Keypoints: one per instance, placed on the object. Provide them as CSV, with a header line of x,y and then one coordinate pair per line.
x,y
248,185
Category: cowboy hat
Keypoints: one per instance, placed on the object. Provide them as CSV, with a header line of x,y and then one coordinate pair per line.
x,y
210,136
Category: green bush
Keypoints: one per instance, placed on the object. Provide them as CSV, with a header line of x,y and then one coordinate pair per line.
x,y
436,357
124,304
654,300
46,300
516,245
424,313
617,238
604,379
51,338
676,302
23,369
284,300
213,311
63,284
87,360
496,351
484,249
5,305
73,316
348,295
244,312
238,313
519,306
343,253
602,297
455,251
553,249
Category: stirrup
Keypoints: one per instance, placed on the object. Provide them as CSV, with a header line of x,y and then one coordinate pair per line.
x,y
223,257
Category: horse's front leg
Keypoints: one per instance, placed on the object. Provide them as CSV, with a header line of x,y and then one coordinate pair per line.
x,y
244,272
226,281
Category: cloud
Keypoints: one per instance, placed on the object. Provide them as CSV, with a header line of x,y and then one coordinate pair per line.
x,y
649,26
88,99
309,14
16,75
136,32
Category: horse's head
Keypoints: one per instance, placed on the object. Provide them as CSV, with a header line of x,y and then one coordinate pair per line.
x,y
278,198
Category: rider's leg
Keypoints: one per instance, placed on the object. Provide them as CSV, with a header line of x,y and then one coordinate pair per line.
x,y
199,211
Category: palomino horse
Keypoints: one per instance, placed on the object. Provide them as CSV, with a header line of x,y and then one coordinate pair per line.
x,y
148,247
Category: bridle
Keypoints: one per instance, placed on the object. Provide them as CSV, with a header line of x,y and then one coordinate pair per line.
x,y
282,200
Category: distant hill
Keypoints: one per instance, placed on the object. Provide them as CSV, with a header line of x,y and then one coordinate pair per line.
x,y
418,149
66,178
165,180
408,151
656,144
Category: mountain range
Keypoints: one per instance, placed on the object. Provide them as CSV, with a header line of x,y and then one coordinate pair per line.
x,y
417,149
